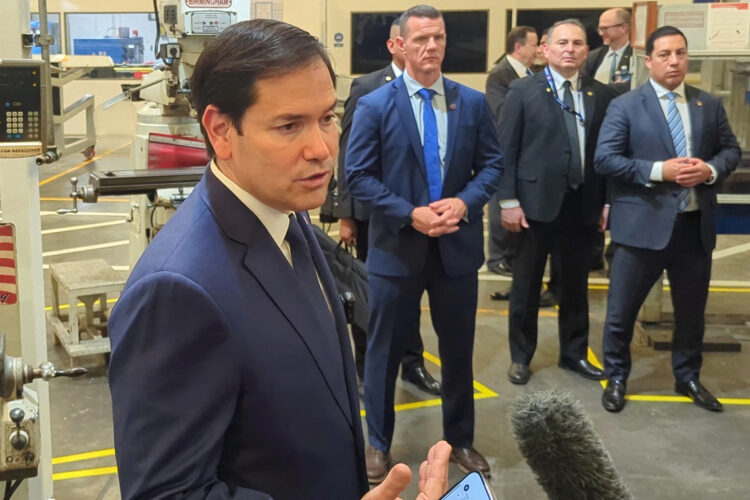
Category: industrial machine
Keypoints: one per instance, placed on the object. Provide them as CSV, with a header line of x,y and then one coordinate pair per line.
x,y
19,417
167,130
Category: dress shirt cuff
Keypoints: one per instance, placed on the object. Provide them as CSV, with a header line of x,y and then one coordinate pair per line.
x,y
507,204
656,172
711,180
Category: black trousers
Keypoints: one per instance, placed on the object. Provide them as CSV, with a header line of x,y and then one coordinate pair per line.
x,y
634,271
414,348
570,243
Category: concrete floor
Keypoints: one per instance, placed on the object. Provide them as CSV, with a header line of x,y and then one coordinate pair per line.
x,y
663,449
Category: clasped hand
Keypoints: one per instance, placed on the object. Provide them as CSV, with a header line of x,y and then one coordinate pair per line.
x,y
687,172
439,217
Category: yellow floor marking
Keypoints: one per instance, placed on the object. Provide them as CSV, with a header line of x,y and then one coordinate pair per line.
x,y
716,289
483,392
99,200
83,456
83,164
100,471
655,398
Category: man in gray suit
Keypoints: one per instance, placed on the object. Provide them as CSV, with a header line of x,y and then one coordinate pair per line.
x,y
664,147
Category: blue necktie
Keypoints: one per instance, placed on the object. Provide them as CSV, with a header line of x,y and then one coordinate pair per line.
x,y
304,266
613,67
680,143
528,72
430,146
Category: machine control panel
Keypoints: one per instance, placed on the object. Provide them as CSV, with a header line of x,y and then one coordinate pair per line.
x,y
23,99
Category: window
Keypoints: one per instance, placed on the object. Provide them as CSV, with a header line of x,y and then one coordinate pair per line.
x,y
466,51
53,28
126,38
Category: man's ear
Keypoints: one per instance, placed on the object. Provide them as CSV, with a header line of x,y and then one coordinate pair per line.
x,y
220,131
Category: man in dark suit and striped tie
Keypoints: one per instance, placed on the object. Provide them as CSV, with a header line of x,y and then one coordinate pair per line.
x,y
664,147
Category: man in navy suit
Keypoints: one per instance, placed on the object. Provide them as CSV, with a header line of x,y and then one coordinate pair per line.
x,y
552,196
354,220
231,371
423,153
664,147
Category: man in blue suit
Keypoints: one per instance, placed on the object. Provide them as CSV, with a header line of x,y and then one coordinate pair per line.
x,y
231,371
664,147
423,153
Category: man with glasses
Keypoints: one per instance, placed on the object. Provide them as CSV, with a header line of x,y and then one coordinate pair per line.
x,y
610,63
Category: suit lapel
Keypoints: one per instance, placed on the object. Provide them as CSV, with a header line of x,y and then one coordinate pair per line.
x,y
453,108
589,105
695,110
403,105
264,260
653,110
554,108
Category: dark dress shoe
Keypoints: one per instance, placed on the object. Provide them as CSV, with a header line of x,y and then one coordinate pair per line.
x,y
470,460
547,299
613,397
500,295
699,394
378,464
518,373
583,368
420,377
501,267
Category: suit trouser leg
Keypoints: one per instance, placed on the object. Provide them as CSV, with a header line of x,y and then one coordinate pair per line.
x,y
453,308
528,271
573,241
394,309
634,271
689,272
359,334
414,347
502,244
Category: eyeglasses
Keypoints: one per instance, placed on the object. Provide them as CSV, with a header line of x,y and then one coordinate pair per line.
x,y
605,28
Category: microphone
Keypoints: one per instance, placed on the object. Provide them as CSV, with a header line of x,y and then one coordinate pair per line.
x,y
561,446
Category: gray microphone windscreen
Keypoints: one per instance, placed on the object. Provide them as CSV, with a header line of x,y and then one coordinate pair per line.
x,y
561,447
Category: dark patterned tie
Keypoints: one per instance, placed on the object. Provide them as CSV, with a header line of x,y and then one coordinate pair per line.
x,y
575,175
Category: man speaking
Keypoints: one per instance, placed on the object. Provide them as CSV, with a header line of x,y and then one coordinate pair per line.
x,y
231,371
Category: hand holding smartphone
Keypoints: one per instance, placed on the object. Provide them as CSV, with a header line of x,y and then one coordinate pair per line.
x,y
471,487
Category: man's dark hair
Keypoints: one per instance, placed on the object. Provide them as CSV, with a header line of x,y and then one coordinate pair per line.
x,y
574,22
662,32
232,63
517,35
417,11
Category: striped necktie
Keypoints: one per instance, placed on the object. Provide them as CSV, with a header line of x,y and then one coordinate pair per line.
x,y
677,131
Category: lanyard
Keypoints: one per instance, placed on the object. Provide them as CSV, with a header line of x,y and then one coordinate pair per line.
x,y
553,87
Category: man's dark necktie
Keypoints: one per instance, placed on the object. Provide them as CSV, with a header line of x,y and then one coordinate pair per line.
x,y
575,174
303,264
430,146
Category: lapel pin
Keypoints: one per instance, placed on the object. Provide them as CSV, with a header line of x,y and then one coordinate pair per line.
x,y
548,90
452,106
589,93
699,103
388,78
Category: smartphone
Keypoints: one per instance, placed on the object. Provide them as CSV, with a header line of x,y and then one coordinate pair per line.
x,y
471,487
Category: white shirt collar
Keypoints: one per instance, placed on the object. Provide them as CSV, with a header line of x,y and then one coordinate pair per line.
x,y
413,86
661,91
517,65
396,70
275,222
619,51
559,80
